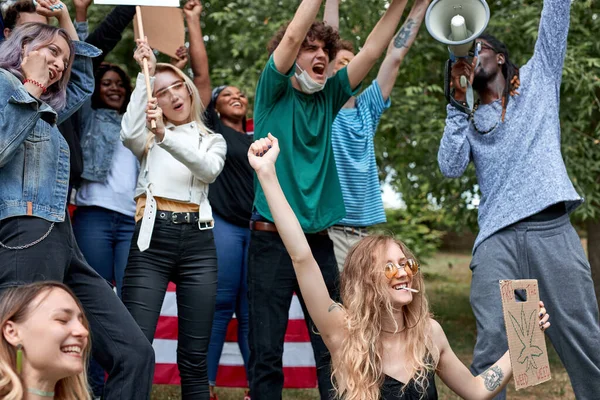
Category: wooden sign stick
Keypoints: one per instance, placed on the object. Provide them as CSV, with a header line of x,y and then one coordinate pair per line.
x,y
138,13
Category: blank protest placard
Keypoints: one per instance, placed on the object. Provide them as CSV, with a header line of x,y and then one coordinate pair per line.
x,y
526,342
164,28
156,3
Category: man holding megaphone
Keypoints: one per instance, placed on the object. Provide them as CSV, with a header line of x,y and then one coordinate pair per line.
x,y
512,135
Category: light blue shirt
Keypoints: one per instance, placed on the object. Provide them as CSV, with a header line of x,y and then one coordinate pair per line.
x,y
354,152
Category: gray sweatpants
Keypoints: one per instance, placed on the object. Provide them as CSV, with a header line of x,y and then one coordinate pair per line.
x,y
550,252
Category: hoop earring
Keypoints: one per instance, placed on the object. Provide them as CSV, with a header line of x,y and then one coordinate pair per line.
x,y
19,358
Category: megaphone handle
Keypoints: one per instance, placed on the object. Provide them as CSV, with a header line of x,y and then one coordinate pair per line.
x,y
463,81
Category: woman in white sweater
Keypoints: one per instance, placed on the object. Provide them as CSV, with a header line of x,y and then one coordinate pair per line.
x,y
173,239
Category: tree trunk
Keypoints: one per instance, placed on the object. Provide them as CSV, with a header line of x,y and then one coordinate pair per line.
x,y
593,245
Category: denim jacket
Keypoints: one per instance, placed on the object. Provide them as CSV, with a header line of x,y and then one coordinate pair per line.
x,y
34,156
100,136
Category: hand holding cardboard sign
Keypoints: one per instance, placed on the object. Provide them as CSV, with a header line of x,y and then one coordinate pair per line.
x,y
144,52
524,315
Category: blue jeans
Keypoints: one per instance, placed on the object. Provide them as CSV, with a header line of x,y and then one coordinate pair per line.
x,y
104,238
232,291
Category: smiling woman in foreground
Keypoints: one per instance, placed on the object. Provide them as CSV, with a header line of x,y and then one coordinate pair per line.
x,y
44,345
383,342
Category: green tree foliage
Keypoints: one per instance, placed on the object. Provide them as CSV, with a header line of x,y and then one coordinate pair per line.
x,y
237,33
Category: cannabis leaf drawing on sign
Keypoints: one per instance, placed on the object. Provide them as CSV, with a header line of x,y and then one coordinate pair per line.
x,y
525,331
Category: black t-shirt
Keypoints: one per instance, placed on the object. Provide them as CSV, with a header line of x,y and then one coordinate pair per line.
x,y
232,194
70,131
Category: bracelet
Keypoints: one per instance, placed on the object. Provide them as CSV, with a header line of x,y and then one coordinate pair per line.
x,y
36,83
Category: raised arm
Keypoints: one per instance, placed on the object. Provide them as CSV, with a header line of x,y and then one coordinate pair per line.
x,y
458,377
375,44
20,108
323,310
110,31
399,46
332,14
551,45
286,52
198,56
60,12
133,126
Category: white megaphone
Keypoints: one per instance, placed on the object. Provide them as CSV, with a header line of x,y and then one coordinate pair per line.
x,y
457,23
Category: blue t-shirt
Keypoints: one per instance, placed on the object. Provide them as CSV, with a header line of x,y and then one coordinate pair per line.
x,y
354,152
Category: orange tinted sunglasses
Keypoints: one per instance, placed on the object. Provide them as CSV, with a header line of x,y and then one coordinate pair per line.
x,y
411,267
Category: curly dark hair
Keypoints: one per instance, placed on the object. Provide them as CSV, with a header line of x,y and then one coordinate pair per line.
x,y
99,74
13,11
318,31
345,45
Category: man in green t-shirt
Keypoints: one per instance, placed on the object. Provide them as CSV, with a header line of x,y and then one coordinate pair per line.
x,y
297,103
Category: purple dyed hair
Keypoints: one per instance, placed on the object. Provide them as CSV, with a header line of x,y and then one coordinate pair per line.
x,y
36,36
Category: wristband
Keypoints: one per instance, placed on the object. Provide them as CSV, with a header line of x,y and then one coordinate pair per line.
x,y
36,83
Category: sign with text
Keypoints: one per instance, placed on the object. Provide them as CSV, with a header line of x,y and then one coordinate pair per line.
x,y
157,3
164,28
526,342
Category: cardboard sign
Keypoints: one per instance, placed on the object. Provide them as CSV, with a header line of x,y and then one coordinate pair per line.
x,y
164,28
528,355
156,3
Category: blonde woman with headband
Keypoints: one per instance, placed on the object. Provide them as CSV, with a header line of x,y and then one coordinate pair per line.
x,y
44,346
383,342
173,238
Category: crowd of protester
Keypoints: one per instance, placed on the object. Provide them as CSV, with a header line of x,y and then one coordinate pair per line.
x,y
169,186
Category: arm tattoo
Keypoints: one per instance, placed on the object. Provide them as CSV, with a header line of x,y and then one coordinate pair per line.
x,y
404,34
333,306
492,378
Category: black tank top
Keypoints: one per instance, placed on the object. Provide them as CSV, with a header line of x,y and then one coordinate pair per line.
x,y
392,389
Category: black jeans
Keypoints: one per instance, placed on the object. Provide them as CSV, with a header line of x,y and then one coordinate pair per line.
x,y
271,285
117,343
186,256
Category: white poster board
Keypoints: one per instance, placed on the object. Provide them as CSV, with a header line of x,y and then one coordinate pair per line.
x,y
162,3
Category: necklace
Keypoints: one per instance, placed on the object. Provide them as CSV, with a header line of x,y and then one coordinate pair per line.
x,y
39,392
472,118
392,332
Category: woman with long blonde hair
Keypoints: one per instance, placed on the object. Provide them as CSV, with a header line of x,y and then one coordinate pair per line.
x,y
44,346
383,341
173,238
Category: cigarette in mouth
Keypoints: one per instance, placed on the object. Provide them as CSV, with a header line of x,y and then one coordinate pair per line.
x,y
410,289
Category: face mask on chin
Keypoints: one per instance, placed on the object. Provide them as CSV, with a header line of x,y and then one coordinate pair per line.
x,y
307,84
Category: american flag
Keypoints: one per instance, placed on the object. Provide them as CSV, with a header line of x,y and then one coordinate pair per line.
x,y
298,361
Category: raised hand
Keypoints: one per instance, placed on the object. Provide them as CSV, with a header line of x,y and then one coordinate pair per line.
x,y
182,57
35,67
82,3
263,153
192,9
144,51
154,113
50,8
81,7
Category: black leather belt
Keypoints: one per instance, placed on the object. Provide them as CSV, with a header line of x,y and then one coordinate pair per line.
x,y
183,218
266,226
